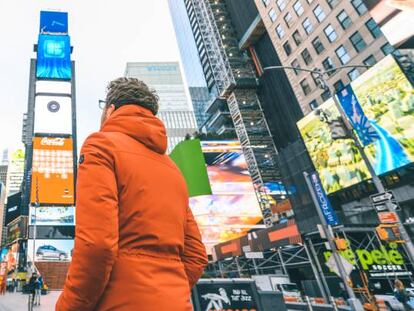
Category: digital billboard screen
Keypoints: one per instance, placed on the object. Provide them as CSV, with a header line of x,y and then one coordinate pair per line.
x,y
52,216
50,250
13,207
52,232
232,210
53,86
393,17
385,98
53,115
52,171
53,22
338,161
53,57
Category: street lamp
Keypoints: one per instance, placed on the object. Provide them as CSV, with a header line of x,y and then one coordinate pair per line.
x,y
320,76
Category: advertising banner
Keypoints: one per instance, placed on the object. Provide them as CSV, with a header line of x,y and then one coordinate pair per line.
x,y
53,22
394,18
324,204
53,57
52,232
53,115
50,250
221,294
17,230
337,161
55,87
13,207
52,216
52,171
232,210
387,99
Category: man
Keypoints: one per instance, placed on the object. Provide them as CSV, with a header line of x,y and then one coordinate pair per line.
x,y
137,246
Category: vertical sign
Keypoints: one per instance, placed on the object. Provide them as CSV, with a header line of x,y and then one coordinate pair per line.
x,y
327,210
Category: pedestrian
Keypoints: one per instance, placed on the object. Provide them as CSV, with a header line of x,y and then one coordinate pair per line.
x,y
402,295
32,286
3,285
137,245
38,290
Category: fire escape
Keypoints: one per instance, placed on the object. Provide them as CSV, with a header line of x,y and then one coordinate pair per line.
x,y
237,84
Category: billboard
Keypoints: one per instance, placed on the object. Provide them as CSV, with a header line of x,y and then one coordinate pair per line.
x,y
50,250
53,22
52,232
337,161
13,207
53,57
393,17
52,216
52,171
232,210
385,98
53,114
55,87
17,230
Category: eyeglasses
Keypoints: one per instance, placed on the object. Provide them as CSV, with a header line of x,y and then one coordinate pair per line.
x,y
101,104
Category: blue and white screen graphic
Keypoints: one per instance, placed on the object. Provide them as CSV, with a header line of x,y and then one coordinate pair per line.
x,y
53,22
324,204
53,57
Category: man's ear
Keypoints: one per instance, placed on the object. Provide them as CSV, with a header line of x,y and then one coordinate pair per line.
x,y
110,110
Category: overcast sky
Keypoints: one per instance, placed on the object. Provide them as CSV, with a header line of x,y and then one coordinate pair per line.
x,y
105,35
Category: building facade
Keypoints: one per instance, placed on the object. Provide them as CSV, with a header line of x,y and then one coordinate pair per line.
x,y
166,79
322,35
200,97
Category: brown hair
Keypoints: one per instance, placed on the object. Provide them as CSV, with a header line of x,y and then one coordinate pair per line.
x,y
398,284
127,91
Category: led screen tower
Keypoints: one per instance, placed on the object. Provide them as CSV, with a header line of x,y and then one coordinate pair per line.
x,y
50,138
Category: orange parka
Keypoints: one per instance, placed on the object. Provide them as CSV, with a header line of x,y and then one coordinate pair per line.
x,y
137,246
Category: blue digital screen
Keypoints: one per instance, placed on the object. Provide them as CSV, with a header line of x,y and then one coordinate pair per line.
x,y
53,22
53,57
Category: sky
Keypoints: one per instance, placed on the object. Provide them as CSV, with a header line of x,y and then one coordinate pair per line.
x,y
105,34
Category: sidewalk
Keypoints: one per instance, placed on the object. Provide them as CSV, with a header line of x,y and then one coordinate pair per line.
x,y
19,302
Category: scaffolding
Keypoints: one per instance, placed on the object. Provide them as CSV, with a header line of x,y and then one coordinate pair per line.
x,y
237,84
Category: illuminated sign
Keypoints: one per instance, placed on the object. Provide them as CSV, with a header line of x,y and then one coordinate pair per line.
x,y
326,207
50,250
53,57
53,22
53,115
232,210
52,216
52,171
337,161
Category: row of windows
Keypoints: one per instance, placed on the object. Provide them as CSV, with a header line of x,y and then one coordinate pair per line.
x,y
338,85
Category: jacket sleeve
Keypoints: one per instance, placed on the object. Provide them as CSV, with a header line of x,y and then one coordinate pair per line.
x,y
194,256
96,241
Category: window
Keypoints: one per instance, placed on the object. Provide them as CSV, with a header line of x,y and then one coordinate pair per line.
x,y
370,60
272,15
287,47
342,54
288,19
332,3
307,25
387,49
266,2
357,41
280,31
313,104
339,85
298,8
353,74
305,86
297,37
373,28
319,13
330,33
359,6
281,4
307,57
328,64
326,95
295,64
344,19
318,46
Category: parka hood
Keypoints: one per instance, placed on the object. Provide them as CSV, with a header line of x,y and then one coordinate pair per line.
x,y
140,124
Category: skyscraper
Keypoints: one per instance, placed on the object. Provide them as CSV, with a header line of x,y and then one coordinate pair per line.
x,y
175,112
322,35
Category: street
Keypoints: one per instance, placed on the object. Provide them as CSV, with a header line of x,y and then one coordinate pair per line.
x,y
18,301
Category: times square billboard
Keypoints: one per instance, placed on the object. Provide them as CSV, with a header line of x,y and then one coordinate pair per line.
x,y
52,171
380,106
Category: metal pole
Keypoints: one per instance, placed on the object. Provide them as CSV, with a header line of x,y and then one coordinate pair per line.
x,y
315,272
318,265
255,266
281,261
353,301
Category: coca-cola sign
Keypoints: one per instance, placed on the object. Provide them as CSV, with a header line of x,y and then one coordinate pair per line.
x,y
53,141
